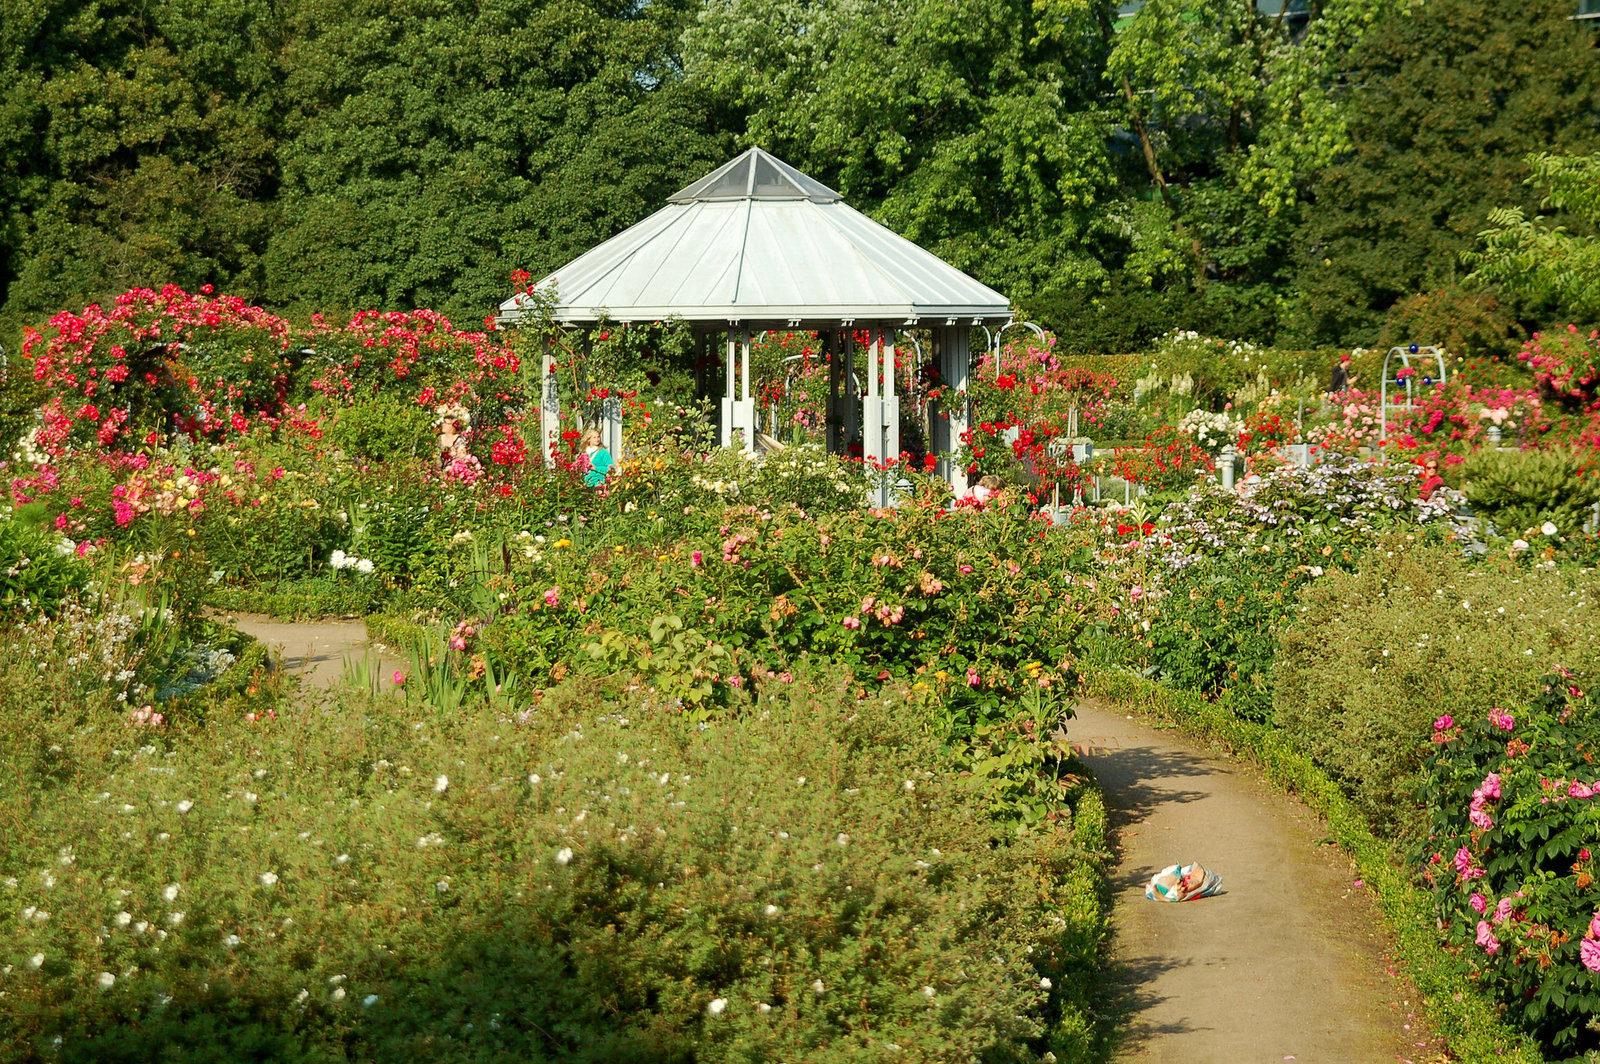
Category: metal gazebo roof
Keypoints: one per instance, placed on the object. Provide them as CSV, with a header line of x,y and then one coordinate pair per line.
x,y
758,241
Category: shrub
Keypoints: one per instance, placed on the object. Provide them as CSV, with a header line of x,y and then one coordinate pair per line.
x,y
1374,655
588,880
36,575
1169,460
1514,800
385,428
1521,490
1565,362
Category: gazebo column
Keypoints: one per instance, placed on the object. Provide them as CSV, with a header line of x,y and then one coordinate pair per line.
x,y
952,419
549,406
852,420
872,406
880,411
891,401
739,414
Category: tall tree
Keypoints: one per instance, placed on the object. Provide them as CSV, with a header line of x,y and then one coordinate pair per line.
x,y
1446,100
434,146
136,146
969,126
1225,104
1540,260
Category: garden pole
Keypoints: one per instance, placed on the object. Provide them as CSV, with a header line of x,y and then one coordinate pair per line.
x,y
747,404
871,406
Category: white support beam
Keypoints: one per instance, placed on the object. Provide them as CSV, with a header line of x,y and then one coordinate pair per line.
x,y
953,417
891,401
549,406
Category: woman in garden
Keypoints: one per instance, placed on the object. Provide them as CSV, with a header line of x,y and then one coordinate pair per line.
x,y
599,459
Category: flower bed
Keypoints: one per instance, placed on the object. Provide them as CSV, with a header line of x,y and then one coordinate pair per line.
x,y
368,882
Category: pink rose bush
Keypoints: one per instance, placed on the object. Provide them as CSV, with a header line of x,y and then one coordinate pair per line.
x,y
1516,799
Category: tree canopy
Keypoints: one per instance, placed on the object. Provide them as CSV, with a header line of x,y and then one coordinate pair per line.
x,y
1245,168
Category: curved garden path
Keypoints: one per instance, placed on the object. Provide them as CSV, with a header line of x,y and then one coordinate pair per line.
x,y
1288,964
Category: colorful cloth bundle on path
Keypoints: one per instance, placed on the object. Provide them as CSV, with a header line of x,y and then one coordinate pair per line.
x,y
1183,883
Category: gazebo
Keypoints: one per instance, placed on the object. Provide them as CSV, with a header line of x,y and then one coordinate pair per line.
x,y
755,245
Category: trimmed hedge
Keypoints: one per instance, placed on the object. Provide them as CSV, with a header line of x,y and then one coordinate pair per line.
x,y
1453,1005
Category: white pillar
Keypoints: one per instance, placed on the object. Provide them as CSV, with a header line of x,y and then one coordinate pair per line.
x,y
549,406
745,414
731,367
872,405
891,402
955,368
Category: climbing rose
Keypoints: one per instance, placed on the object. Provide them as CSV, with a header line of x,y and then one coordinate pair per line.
x,y
1479,903
1589,952
1443,722
1501,719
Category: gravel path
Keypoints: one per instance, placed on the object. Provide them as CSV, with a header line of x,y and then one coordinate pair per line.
x,y
1288,964
315,651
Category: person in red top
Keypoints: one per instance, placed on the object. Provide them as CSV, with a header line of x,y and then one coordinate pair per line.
x,y
1341,375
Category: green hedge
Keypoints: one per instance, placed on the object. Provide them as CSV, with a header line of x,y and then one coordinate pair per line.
x,y
1467,1022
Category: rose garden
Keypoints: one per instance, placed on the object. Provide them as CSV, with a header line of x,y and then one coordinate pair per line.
x,y
714,755
756,638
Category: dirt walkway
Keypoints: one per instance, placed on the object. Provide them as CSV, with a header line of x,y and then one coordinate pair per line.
x,y
315,651
1288,964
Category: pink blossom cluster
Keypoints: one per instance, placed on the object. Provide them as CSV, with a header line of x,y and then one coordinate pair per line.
x,y
1566,364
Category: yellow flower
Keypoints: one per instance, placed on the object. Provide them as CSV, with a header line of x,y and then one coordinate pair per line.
x,y
941,675
562,543
618,548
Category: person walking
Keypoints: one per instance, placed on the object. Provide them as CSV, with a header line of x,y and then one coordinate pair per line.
x,y
1341,375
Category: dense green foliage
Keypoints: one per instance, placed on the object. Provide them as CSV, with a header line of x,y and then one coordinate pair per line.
x,y
592,880
1380,651
324,156
1196,165
1446,100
